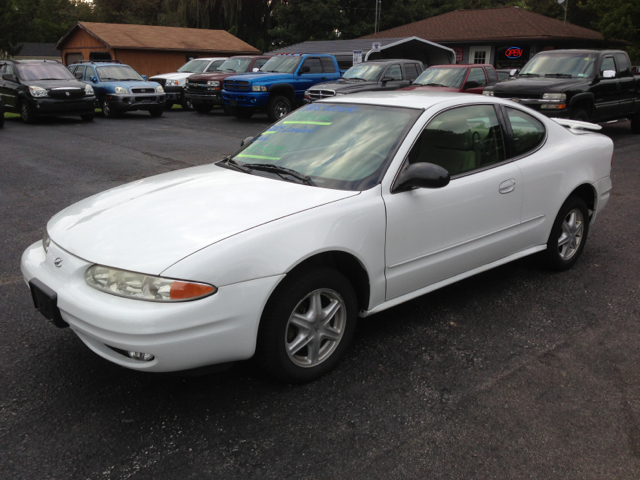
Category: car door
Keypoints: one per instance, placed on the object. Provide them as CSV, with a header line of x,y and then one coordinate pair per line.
x,y
304,81
606,91
394,78
477,75
435,234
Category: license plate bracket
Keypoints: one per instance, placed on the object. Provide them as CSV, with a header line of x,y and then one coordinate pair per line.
x,y
46,302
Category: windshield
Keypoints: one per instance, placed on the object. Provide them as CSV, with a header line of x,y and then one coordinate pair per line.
x,y
194,66
43,71
281,64
442,77
365,72
339,146
118,72
568,64
237,65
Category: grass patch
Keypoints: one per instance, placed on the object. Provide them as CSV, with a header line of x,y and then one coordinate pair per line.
x,y
11,115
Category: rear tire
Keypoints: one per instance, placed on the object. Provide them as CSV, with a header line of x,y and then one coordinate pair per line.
x,y
156,111
278,107
635,123
568,235
107,110
579,114
26,113
307,325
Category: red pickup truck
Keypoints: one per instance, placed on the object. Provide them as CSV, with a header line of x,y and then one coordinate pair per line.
x,y
467,78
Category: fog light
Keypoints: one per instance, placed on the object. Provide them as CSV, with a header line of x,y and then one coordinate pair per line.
x,y
141,356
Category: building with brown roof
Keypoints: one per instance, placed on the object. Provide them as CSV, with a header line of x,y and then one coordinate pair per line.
x,y
505,37
148,49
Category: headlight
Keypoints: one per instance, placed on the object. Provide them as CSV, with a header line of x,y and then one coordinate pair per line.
x,y
121,90
159,89
145,287
171,83
37,92
88,90
488,93
555,96
46,241
259,88
213,83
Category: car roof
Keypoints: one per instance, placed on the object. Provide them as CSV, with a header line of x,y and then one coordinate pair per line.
x,y
409,98
391,60
462,65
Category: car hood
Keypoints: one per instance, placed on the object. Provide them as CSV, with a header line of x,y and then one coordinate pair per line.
x,y
130,84
426,88
172,76
345,86
199,77
56,83
538,85
148,225
261,76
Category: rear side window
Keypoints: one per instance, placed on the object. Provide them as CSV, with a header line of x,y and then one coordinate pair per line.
x,y
527,132
314,65
491,75
624,67
411,72
327,65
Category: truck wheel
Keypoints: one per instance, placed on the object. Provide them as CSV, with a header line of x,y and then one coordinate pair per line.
x,y
202,108
156,111
26,113
186,104
635,123
243,112
579,114
278,107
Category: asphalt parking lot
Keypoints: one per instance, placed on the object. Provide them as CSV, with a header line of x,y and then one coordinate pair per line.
x,y
515,373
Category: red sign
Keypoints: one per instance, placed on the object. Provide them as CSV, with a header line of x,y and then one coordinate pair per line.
x,y
513,52
459,54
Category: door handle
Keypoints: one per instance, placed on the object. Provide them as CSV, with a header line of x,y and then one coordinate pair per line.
x,y
507,186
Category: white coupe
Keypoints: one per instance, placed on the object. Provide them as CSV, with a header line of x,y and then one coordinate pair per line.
x,y
342,209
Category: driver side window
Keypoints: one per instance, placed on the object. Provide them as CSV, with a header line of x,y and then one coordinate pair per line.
x,y
314,65
461,140
394,72
607,64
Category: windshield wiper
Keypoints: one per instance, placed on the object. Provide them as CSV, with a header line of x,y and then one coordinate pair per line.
x,y
234,164
561,75
529,74
430,85
267,167
53,79
355,78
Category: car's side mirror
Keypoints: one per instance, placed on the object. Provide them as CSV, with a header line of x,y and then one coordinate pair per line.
x,y
144,77
304,69
514,72
9,78
471,84
421,175
246,141
609,74
94,79
255,70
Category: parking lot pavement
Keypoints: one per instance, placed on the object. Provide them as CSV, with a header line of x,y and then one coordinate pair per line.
x,y
514,373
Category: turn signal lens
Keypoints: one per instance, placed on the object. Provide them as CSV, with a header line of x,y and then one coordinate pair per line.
x,y
145,287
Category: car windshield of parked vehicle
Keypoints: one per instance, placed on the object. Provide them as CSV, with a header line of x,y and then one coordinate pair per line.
x,y
281,64
559,65
194,66
441,77
339,146
118,72
370,73
43,71
237,65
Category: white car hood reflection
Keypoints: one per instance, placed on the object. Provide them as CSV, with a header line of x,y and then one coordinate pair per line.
x,y
148,225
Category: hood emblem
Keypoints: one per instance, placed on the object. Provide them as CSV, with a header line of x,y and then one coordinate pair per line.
x,y
67,94
58,262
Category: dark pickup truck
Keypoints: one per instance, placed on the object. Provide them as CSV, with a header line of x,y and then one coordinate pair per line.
x,y
588,85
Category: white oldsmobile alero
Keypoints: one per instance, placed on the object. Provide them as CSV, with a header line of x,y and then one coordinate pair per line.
x,y
342,209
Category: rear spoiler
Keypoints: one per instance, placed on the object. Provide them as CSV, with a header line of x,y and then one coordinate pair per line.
x,y
576,126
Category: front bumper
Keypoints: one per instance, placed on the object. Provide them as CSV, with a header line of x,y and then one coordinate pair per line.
x,y
132,102
213,98
539,104
54,106
174,93
245,99
217,329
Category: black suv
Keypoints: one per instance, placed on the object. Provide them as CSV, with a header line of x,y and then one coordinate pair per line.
x,y
33,87
374,75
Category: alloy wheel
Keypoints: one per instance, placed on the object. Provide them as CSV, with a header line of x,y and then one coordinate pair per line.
x,y
571,234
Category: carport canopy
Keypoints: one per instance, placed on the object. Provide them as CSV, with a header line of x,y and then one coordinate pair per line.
x,y
413,48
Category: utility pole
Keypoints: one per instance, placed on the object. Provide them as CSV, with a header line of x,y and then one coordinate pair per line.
x,y
378,14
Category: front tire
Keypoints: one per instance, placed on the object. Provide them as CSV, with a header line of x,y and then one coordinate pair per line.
x,y
278,107
26,113
307,325
186,104
107,109
568,235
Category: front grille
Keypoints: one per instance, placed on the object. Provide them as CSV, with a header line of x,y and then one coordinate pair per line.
x,y
237,85
517,95
161,81
319,94
66,93
143,90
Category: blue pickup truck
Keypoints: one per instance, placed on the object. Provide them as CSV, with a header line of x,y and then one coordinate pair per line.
x,y
279,86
